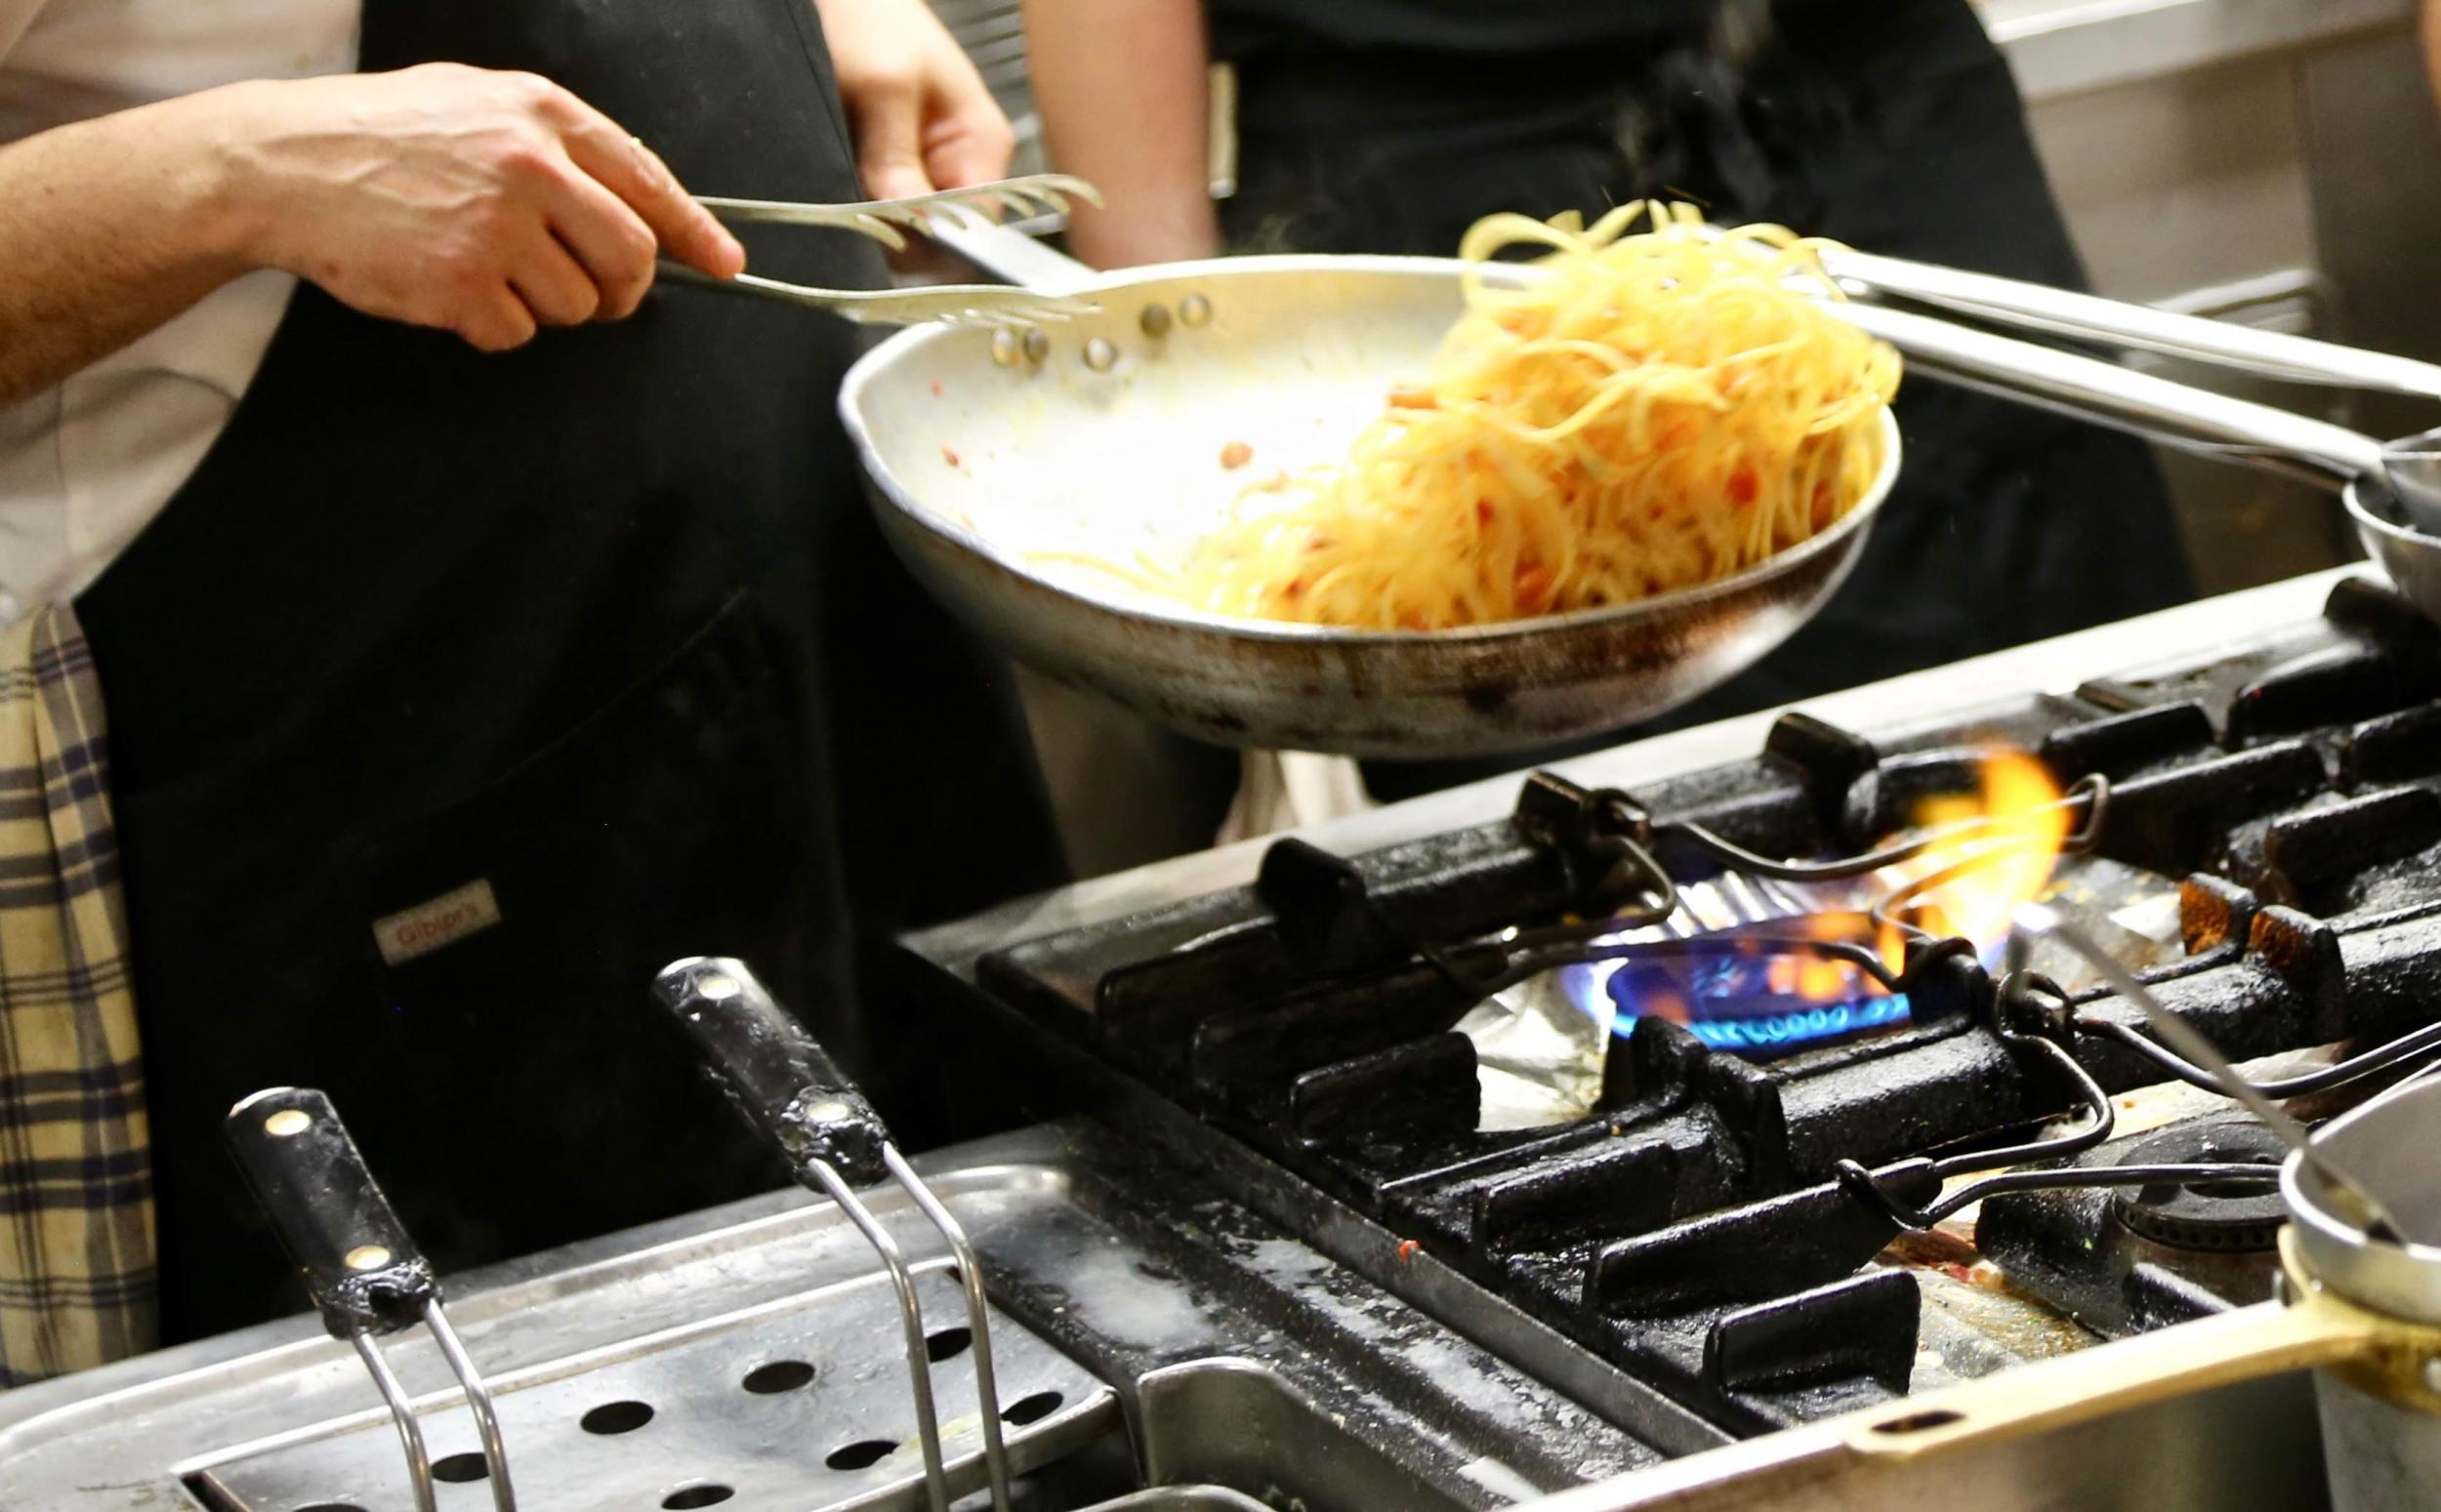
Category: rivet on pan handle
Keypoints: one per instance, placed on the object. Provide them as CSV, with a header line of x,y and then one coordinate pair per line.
x,y
364,1271
788,1087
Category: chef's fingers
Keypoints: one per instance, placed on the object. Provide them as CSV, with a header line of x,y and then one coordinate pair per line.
x,y
496,320
967,137
554,286
635,173
886,120
612,241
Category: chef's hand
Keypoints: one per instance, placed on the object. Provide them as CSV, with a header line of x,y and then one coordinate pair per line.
x,y
480,202
920,114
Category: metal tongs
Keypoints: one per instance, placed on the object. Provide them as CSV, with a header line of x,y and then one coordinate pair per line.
x,y
789,1089
998,306
2088,317
366,1274
2171,413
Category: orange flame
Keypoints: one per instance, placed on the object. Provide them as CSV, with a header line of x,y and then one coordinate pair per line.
x,y
1820,978
1891,947
2009,836
2024,826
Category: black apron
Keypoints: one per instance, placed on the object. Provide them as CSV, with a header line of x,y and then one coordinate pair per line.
x,y
1893,126
596,636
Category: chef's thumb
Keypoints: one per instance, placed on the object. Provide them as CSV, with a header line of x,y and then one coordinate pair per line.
x,y
971,142
890,141
964,161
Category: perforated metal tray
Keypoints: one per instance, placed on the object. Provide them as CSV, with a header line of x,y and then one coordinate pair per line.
x,y
799,1403
1190,1344
754,1364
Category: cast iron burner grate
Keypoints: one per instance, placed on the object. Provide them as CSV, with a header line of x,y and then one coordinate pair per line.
x,y
1712,1225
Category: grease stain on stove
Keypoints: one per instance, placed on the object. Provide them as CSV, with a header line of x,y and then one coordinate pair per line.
x,y
1105,1291
1500,1480
2016,1326
1287,1258
1393,1330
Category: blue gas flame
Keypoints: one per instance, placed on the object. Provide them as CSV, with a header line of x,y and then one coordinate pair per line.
x,y
1779,1031
1722,985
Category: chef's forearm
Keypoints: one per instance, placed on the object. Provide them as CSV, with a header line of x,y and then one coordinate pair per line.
x,y
108,228
2432,45
1124,98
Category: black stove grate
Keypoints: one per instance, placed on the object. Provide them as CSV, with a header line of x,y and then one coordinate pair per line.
x,y
1694,1228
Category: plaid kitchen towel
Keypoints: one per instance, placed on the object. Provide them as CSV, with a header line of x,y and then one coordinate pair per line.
x,y
76,1263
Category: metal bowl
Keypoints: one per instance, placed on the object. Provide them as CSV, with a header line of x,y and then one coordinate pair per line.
x,y
2409,557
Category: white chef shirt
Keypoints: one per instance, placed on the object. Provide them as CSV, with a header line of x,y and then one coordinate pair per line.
x,y
85,465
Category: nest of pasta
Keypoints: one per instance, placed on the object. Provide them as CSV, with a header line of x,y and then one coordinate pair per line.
x,y
1652,409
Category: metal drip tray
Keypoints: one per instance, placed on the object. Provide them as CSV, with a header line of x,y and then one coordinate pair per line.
x,y
1157,1345
794,1403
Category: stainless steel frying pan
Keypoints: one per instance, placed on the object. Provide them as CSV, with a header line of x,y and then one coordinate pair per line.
x,y
988,462
1000,465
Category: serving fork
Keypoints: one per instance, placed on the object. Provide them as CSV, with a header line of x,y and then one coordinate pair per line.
x,y
1033,194
974,304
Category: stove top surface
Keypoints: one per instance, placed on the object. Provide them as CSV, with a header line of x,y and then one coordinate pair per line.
x,y
1778,1200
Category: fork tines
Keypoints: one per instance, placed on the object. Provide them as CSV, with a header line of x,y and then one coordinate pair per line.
x,y
1032,194
970,304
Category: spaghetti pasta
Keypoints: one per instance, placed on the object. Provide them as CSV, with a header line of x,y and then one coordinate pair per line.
x,y
1650,408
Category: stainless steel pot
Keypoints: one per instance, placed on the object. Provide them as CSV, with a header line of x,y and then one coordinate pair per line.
x,y
2364,1314
2380,1417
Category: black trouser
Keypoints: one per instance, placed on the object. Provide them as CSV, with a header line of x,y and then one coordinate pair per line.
x,y
1893,127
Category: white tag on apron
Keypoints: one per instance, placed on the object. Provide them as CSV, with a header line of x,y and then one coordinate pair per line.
x,y
446,920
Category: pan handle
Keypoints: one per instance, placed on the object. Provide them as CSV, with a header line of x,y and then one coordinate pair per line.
x,y
2266,1340
2102,392
2319,1329
785,1083
2077,316
2120,397
2093,390
1009,254
364,1271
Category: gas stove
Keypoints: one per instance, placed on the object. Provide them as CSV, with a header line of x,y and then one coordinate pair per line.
x,y
1668,1106
1745,1219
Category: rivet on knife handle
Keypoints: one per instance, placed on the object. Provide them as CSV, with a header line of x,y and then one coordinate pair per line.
x,y
787,1086
364,1271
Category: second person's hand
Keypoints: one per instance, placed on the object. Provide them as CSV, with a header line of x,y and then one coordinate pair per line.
x,y
920,114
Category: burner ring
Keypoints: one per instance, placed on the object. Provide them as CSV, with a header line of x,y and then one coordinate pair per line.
x,y
2226,1216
